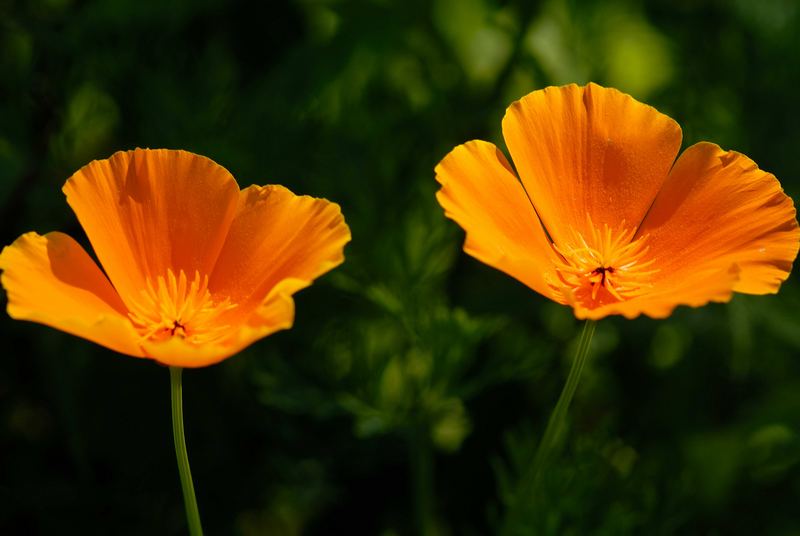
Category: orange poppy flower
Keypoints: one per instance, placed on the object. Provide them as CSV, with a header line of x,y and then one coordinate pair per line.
x,y
195,269
604,219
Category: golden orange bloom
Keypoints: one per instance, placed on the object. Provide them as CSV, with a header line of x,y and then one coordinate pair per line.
x,y
602,216
195,269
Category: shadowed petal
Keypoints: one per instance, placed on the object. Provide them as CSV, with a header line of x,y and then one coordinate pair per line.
x,y
146,211
278,242
589,151
51,280
481,193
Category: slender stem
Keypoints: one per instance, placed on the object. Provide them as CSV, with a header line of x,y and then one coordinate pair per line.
x,y
553,433
421,461
189,500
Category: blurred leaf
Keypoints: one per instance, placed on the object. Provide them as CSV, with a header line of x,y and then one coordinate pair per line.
x,y
772,450
638,57
90,120
669,344
715,461
478,34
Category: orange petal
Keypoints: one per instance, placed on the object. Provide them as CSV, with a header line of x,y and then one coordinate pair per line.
x,y
589,151
481,193
51,280
274,314
717,208
277,238
145,211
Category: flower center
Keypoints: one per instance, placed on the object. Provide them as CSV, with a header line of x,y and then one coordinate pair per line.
x,y
605,266
174,306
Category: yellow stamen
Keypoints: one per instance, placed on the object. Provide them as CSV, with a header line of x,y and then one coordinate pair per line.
x,y
173,306
605,266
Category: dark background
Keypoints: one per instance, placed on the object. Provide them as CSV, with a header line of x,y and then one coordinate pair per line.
x,y
416,380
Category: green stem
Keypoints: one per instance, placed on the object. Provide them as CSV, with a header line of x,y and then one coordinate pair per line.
x,y
189,500
553,433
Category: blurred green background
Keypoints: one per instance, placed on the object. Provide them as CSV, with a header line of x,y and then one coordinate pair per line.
x,y
416,381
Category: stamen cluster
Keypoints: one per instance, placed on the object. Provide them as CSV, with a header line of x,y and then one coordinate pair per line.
x,y
173,306
605,266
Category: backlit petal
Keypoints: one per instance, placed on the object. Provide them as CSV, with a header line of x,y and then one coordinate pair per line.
x,y
481,193
277,236
146,211
718,208
589,151
51,280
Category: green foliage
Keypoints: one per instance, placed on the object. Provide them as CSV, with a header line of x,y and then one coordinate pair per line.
x,y
404,358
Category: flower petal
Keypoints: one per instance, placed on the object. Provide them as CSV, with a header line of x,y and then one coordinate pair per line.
x,y
589,151
51,280
145,211
277,236
481,193
717,208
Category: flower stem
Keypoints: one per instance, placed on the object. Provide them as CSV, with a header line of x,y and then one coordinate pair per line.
x,y
189,500
553,434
